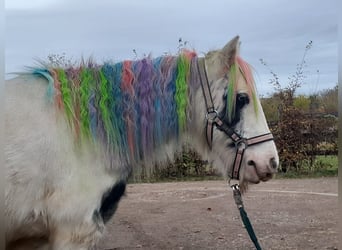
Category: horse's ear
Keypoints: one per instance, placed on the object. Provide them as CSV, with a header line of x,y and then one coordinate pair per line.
x,y
229,51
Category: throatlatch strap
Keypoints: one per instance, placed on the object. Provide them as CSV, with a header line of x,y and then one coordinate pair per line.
x,y
211,112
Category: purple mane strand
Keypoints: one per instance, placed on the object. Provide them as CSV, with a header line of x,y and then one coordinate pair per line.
x,y
145,96
92,105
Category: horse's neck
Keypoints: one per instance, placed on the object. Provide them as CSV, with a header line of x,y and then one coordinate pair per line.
x,y
197,122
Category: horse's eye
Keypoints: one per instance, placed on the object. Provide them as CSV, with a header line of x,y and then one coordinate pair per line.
x,y
242,99
225,94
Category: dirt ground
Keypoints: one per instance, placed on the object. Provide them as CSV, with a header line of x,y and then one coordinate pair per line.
x,y
286,214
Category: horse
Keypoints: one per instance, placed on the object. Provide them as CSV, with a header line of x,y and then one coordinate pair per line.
x,y
75,134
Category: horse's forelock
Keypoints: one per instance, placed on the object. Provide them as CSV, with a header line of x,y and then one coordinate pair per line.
x,y
247,72
239,66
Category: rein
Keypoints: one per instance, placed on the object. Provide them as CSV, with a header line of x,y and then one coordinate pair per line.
x,y
244,217
213,119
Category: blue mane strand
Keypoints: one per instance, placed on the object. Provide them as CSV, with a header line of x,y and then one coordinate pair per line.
x,y
118,107
113,94
168,103
45,73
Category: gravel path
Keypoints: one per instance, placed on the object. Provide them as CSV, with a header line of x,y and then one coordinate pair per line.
x,y
285,213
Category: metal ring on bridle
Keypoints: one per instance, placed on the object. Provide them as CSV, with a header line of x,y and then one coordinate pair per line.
x,y
210,116
241,143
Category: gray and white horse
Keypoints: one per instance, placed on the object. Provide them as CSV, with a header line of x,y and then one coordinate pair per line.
x,y
74,135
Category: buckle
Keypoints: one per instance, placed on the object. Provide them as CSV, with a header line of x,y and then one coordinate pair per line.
x,y
211,115
233,183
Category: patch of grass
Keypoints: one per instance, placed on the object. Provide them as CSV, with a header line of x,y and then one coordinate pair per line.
x,y
323,166
178,179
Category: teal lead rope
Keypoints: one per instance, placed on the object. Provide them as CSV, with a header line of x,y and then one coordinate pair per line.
x,y
243,214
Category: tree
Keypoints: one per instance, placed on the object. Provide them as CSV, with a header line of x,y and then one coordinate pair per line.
x,y
290,127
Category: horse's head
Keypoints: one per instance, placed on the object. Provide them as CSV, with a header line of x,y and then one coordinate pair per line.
x,y
240,123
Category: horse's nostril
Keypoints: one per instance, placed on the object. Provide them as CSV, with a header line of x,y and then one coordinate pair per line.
x,y
273,163
251,163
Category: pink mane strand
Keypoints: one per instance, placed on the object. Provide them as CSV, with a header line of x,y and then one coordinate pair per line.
x,y
246,70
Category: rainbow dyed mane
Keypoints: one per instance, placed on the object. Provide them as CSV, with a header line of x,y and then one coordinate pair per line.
x,y
132,107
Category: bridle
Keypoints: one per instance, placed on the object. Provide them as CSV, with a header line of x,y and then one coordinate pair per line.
x,y
213,119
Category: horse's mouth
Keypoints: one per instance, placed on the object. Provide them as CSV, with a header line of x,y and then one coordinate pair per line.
x,y
255,177
267,177
258,177
264,177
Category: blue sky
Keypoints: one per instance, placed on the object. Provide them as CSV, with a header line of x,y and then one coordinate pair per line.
x,y
276,31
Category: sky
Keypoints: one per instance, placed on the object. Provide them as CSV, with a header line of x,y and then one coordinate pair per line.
x,y
275,31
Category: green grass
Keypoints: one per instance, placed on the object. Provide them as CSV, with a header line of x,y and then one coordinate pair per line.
x,y
323,166
178,179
